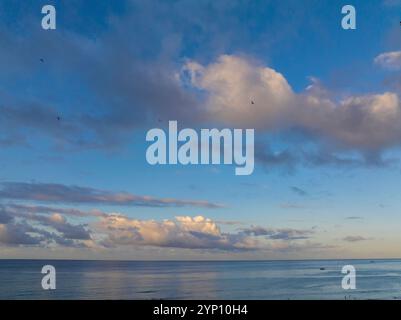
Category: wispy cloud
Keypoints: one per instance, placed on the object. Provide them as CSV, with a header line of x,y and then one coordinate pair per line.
x,y
59,193
391,3
389,60
278,234
299,191
11,207
289,205
355,238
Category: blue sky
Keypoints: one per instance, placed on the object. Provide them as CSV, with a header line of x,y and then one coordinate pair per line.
x,y
326,119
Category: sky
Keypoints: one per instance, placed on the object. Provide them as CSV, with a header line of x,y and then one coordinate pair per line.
x,y
77,102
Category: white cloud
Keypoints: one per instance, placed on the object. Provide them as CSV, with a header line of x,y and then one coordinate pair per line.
x,y
389,60
44,229
192,233
241,92
183,232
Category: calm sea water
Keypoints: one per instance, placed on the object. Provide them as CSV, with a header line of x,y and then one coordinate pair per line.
x,y
378,279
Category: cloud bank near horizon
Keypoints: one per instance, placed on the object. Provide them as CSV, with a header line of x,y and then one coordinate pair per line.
x,y
49,227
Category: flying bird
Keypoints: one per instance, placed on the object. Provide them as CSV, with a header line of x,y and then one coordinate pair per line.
x,y
252,102
42,60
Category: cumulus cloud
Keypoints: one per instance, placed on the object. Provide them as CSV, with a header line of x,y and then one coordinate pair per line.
x,y
238,90
29,225
192,232
18,234
389,60
60,224
23,233
233,83
22,227
235,91
245,93
183,232
59,193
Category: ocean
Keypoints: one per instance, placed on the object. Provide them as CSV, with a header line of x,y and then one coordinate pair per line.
x,y
312,279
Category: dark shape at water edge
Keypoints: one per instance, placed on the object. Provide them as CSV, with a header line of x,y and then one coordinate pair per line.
x,y
322,268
